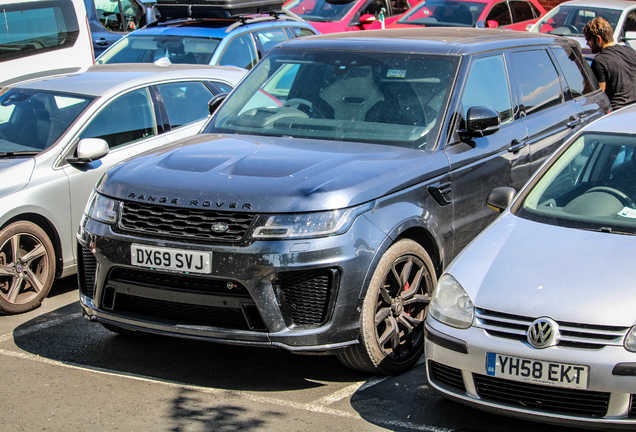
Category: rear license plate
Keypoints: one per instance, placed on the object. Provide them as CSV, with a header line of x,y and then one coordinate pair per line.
x,y
536,371
185,261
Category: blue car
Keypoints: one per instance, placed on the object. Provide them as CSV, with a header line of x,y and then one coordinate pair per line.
x,y
237,41
109,20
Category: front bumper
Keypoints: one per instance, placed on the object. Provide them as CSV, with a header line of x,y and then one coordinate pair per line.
x,y
302,295
456,368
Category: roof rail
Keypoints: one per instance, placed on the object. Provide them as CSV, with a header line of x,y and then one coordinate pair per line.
x,y
273,16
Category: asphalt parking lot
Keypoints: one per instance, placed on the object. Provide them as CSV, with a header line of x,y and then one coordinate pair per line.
x,y
61,373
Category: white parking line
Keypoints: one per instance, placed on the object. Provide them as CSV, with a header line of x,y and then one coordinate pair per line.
x,y
317,406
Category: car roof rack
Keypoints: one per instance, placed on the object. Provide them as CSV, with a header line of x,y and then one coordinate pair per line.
x,y
174,9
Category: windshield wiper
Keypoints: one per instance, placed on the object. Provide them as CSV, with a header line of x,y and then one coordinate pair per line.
x,y
611,230
18,153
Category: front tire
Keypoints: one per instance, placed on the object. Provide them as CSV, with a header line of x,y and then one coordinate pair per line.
x,y
393,312
27,267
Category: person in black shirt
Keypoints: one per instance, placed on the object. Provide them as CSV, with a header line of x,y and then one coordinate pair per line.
x,y
614,65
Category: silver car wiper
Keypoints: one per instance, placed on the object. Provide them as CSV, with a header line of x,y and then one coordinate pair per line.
x,y
18,153
611,230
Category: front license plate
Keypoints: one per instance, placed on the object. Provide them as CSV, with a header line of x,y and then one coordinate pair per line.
x,y
536,371
186,261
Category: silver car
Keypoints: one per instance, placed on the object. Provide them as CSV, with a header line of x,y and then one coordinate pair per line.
x,y
535,318
57,138
569,18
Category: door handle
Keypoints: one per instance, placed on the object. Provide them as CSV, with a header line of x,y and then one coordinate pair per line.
x,y
573,122
101,42
515,146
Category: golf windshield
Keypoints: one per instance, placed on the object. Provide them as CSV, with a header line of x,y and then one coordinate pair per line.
x,y
592,185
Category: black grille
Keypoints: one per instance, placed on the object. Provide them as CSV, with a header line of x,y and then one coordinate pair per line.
x,y
192,224
87,266
447,375
632,406
306,295
178,282
181,313
581,403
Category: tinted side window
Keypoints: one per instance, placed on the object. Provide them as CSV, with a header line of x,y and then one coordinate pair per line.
x,y
630,22
116,19
487,85
537,81
500,13
374,8
575,75
186,102
126,119
521,11
240,52
37,27
301,31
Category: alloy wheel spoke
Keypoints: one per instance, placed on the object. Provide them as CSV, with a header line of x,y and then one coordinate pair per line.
x,y
405,323
412,322
35,282
389,332
14,291
395,336
406,272
420,298
414,288
37,252
384,293
15,247
382,314
6,270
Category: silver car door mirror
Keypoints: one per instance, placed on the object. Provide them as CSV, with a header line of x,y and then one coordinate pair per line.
x,y
89,150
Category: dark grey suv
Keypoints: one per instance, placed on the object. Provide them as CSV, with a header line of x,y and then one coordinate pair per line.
x,y
329,190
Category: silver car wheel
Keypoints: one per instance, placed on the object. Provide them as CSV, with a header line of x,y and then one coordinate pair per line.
x,y
27,267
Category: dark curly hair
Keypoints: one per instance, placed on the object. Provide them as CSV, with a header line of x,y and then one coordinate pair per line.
x,y
599,27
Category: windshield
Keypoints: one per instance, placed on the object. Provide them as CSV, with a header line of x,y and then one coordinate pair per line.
x,y
570,20
148,49
440,13
32,120
592,185
321,10
395,99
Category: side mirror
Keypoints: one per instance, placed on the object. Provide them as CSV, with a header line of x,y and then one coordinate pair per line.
x,y
492,24
89,150
500,198
215,102
481,121
629,35
367,19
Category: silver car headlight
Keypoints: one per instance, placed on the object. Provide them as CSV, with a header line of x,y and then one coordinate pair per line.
x,y
630,340
450,303
308,225
102,209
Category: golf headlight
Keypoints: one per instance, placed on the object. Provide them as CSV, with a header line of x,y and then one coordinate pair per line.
x,y
630,340
450,304
101,208
308,225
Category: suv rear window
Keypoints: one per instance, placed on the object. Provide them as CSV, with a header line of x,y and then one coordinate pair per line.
x,y
148,49
334,95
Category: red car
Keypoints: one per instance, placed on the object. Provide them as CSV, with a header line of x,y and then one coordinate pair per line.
x,y
330,16
511,14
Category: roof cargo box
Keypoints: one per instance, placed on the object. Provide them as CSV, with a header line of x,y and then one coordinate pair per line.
x,y
170,9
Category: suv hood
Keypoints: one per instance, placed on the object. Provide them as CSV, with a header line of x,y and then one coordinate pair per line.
x,y
15,174
271,175
536,270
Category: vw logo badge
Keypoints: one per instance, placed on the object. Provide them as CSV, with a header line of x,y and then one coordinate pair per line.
x,y
543,332
219,227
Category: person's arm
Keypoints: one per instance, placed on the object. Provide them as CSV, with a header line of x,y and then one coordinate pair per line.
x,y
602,85
599,72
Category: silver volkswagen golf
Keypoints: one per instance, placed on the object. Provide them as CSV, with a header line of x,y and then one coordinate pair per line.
x,y
536,318
60,134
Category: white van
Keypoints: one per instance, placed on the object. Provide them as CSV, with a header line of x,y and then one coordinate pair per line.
x,y
40,37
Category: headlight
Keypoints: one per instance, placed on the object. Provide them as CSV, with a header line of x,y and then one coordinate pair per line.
x,y
450,304
308,225
630,340
102,209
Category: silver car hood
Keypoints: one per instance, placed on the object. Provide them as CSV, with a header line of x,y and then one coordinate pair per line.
x,y
536,270
15,174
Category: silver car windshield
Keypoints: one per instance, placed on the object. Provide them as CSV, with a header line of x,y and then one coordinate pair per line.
x,y
570,20
384,98
149,48
31,120
592,185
